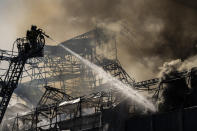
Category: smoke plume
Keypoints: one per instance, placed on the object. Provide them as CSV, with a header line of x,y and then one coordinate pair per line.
x,y
149,32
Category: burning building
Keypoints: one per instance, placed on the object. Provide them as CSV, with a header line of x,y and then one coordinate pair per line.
x,y
75,98
67,94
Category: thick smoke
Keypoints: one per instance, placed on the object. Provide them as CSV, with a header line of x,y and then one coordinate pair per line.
x,y
177,65
149,32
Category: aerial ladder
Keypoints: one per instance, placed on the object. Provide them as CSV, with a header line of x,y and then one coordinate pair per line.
x,y
26,50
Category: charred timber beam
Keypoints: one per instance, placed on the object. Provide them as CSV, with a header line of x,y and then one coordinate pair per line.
x,y
155,81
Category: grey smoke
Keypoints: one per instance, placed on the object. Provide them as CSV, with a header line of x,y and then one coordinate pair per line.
x,y
151,32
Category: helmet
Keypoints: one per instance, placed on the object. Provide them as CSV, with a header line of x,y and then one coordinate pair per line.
x,y
33,27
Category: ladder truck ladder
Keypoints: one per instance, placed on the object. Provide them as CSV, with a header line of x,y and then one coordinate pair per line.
x,y
26,50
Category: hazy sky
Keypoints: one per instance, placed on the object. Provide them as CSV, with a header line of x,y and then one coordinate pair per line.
x,y
16,16
155,27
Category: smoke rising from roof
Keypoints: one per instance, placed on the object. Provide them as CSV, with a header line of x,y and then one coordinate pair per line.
x,y
177,65
148,32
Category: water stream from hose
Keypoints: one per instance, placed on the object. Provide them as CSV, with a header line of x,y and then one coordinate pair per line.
x,y
126,90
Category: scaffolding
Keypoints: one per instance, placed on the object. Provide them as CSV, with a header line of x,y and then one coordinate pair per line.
x,y
79,93
74,97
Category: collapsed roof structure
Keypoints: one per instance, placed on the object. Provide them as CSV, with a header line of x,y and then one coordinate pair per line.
x,y
72,78
74,97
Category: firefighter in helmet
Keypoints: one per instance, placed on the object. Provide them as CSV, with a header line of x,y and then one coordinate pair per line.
x,y
32,36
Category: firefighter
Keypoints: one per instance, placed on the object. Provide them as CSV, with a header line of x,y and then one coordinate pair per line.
x,y
32,36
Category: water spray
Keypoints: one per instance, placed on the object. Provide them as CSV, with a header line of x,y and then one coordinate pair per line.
x,y
117,84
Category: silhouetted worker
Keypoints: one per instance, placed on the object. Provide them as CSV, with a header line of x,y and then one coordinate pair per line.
x,y
32,35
